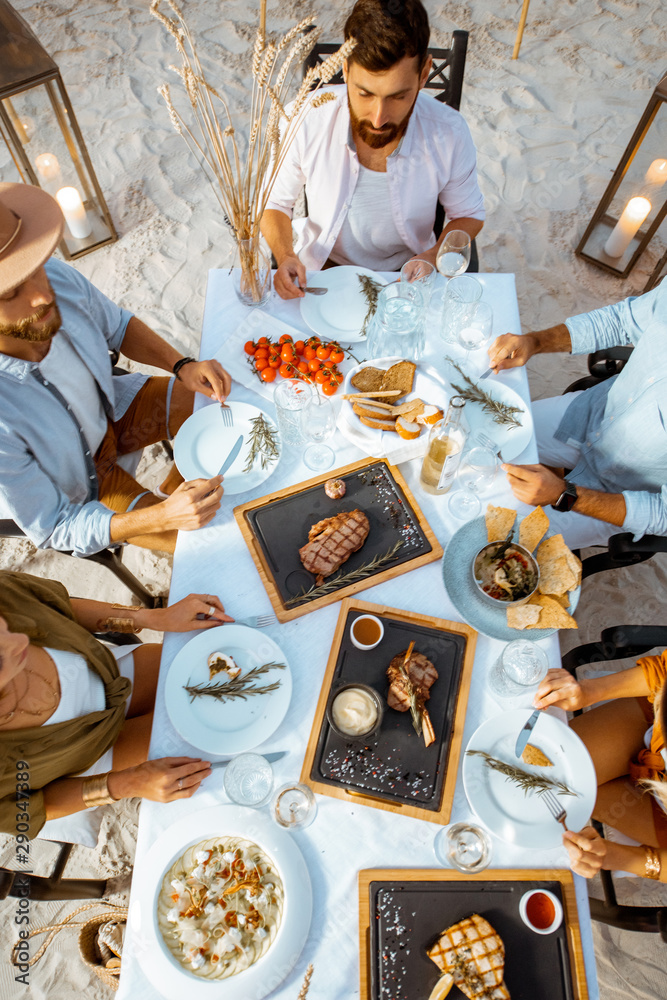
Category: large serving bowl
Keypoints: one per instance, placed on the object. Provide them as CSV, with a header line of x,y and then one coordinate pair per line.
x,y
532,573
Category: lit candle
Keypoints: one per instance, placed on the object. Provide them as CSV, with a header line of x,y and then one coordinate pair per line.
x,y
69,200
657,173
633,215
47,166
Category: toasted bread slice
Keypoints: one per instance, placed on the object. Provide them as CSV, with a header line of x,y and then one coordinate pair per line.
x,y
399,376
369,379
367,409
411,409
379,424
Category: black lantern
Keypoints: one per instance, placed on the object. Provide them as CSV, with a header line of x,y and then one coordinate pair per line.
x,y
635,202
42,140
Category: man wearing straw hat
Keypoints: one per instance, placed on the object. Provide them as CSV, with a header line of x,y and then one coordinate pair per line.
x,y
64,420
376,160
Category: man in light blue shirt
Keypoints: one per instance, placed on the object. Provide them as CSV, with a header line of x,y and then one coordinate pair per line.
x,y
613,436
64,420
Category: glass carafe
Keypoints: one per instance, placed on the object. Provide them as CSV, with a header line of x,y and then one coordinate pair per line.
x,y
445,447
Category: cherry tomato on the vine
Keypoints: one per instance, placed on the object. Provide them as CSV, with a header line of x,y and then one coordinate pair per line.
x,y
287,353
263,342
309,352
262,352
323,353
337,355
329,388
268,374
286,370
321,377
250,347
299,346
275,361
303,367
286,338
314,365
261,364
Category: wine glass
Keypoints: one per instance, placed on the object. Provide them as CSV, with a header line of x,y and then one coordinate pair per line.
x,y
460,301
294,806
453,253
464,846
477,472
318,422
421,272
475,332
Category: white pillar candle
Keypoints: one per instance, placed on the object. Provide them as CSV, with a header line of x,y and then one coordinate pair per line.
x,y
47,166
69,200
657,173
633,215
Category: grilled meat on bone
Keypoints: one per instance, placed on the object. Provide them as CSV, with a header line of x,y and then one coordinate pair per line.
x,y
422,674
332,541
472,952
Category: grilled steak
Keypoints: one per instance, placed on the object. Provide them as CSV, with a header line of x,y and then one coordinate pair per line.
x,y
332,541
421,672
474,955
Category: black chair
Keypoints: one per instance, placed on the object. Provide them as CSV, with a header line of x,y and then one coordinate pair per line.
x,y
616,644
446,78
621,549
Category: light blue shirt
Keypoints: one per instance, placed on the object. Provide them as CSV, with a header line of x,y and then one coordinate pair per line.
x,y
48,483
620,425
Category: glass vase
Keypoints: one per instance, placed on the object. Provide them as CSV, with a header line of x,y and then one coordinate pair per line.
x,y
252,273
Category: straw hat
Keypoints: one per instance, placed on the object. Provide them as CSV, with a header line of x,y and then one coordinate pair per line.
x,y
31,225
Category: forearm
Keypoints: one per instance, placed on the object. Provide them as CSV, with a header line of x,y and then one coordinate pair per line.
x,y
602,506
89,614
142,344
142,521
65,796
276,229
626,858
552,340
629,683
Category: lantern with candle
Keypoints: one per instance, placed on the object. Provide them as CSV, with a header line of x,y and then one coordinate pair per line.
x,y
43,144
635,203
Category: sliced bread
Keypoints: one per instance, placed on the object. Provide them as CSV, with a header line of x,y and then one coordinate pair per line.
x,y
407,429
378,423
400,376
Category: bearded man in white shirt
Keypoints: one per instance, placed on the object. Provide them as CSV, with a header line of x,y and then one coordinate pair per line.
x,y
375,161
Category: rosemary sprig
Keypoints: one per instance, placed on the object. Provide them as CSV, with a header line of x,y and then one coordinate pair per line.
x,y
537,783
370,288
238,687
502,413
415,711
263,443
343,579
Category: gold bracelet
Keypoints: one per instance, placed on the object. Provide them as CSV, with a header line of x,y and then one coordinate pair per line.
x,y
652,863
117,625
95,791
128,607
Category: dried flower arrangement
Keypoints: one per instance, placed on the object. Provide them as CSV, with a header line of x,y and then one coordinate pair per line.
x,y
242,183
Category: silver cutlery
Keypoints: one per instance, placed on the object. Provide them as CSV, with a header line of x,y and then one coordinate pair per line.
x,y
489,371
316,291
253,621
488,442
227,415
555,808
524,735
271,757
232,455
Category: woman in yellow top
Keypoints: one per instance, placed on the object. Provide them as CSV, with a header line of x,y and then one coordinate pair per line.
x,y
625,738
75,719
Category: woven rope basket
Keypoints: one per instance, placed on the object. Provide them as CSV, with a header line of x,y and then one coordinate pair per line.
x,y
87,951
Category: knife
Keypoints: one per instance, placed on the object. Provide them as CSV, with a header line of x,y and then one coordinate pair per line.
x,y
524,735
489,371
232,455
271,757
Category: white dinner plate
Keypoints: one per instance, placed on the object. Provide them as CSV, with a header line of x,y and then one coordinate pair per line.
x,y
502,806
163,971
339,315
203,443
428,385
235,725
511,441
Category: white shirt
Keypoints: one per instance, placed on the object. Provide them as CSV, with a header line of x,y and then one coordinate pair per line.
x,y
368,235
63,366
436,161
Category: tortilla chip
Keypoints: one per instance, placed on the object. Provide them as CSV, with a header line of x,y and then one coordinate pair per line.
x,y
533,755
499,520
575,565
553,615
563,600
524,616
533,528
559,572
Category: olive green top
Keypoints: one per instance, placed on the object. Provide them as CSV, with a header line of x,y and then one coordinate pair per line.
x,y
41,609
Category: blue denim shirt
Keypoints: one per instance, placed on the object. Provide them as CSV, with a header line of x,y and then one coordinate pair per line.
x,y
48,483
621,424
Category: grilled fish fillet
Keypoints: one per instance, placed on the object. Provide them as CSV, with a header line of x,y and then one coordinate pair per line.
x,y
332,541
421,672
473,953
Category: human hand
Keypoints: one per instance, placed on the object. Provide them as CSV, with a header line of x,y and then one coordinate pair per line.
x,y
183,616
534,484
161,780
283,279
561,689
587,851
191,505
511,351
415,269
207,377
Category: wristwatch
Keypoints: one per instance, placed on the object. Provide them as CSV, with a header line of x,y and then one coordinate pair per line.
x,y
568,497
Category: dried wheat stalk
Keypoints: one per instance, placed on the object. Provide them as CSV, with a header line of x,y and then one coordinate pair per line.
x,y
303,992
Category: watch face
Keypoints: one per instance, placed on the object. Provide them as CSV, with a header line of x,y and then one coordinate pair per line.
x,y
567,499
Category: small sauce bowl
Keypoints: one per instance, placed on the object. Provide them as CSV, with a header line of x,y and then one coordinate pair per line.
x,y
533,908
366,625
374,697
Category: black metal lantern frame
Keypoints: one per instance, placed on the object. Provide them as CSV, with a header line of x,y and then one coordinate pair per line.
x,y
635,202
44,145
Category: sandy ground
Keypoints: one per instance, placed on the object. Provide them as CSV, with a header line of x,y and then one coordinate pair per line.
x,y
549,130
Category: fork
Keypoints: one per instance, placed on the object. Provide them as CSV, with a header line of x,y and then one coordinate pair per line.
x,y
488,442
555,808
253,621
227,415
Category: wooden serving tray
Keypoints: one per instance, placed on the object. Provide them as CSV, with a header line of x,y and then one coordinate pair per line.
x,y
394,771
536,965
276,526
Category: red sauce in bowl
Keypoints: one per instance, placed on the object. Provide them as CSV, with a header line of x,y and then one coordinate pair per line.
x,y
541,911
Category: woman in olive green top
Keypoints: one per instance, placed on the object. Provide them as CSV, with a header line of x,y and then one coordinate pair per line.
x,y
39,761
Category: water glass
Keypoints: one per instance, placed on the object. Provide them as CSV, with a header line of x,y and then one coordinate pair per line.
x,y
454,253
397,328
519,669
318,422
249,779
463,846
422,273
476,474
294,806
291,397
477,331
461,297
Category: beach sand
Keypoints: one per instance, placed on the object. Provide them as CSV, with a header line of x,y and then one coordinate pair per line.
x,y
549,129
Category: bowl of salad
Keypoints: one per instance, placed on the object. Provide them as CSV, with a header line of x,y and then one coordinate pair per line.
x,y
505,573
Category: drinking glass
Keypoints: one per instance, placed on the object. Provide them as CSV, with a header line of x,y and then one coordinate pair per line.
x,y
519,669
423,273
476,473
294,806
248,779
453,253
461,297
397,328
463,846
290,398
477,330
318,422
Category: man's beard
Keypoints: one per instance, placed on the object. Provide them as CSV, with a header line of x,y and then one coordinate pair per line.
x,y
378,139
25,330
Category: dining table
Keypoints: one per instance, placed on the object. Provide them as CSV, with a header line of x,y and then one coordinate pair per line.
x,y
345,836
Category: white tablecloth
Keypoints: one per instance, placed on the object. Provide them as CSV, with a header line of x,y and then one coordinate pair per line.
x,y
344,837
